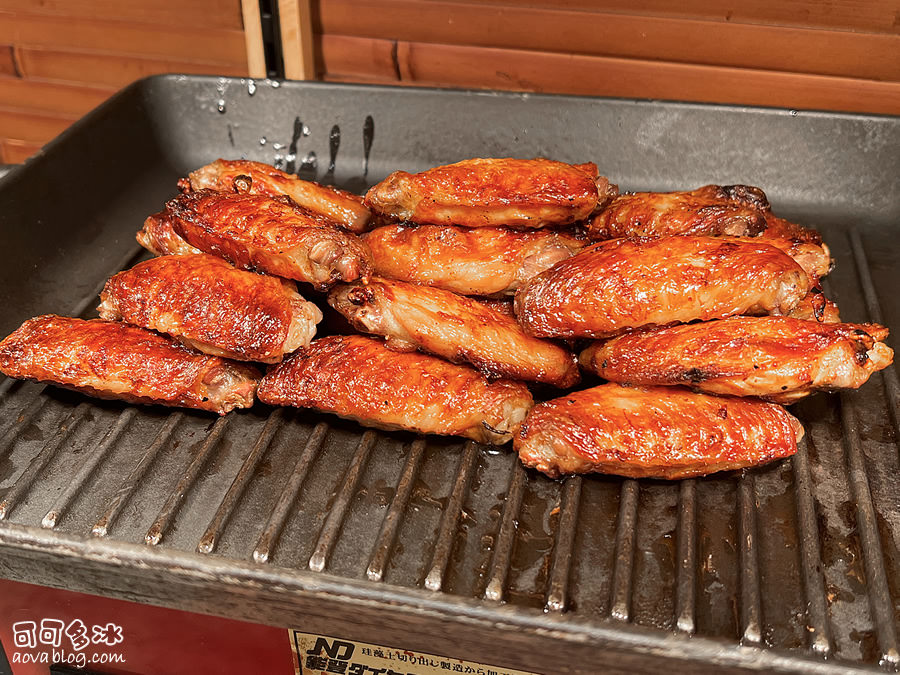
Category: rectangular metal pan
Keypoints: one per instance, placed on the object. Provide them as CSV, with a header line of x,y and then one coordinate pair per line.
x,y
301,520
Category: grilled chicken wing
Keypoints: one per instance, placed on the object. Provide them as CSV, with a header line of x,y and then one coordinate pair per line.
x,y
344,208
118,361
483,261
270,234
737,210
159,237
528,193
653,432
501,305
816,307
620,284
773,357
814,258
361,379
780,228
454,327
211,306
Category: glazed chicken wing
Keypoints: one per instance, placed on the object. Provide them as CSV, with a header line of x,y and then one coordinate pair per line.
x,y
526,193
620,284
780,228
118,361
344,208
816,307
814,258
273,235
737,210
454,327
483,261
211,306
159,237
361,379
773,357
653,432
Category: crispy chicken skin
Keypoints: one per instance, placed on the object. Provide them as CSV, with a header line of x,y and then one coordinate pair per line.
x,y
620,284
118,361
779,227
211,306
454,327
344,208
737,210
774,357
359,378
524,193
814,258
159,237
483,261
653,432
816,307
501,305
273,235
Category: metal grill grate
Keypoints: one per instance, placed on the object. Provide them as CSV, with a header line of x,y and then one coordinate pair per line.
x,y
797,558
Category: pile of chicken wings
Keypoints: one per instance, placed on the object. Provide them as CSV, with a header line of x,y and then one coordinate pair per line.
x,y
475,287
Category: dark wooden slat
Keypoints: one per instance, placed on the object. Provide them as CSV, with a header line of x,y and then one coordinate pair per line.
x,y
618,34
205,13
92,68
15,151
33,127
97,33
877,15
514,69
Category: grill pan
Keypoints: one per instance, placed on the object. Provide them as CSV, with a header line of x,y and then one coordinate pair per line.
x,y
296,519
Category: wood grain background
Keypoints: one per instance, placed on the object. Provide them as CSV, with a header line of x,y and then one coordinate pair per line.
x,y
836,55
60,58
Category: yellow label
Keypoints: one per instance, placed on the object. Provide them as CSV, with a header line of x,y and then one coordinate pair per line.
x,y
325,655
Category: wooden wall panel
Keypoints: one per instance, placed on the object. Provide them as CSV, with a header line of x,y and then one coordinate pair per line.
x,y
69,99
371,58
101,69
216,45
201,14
866,15
804,50
61,58
840,55
429,64
7,60
16,152
27,125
